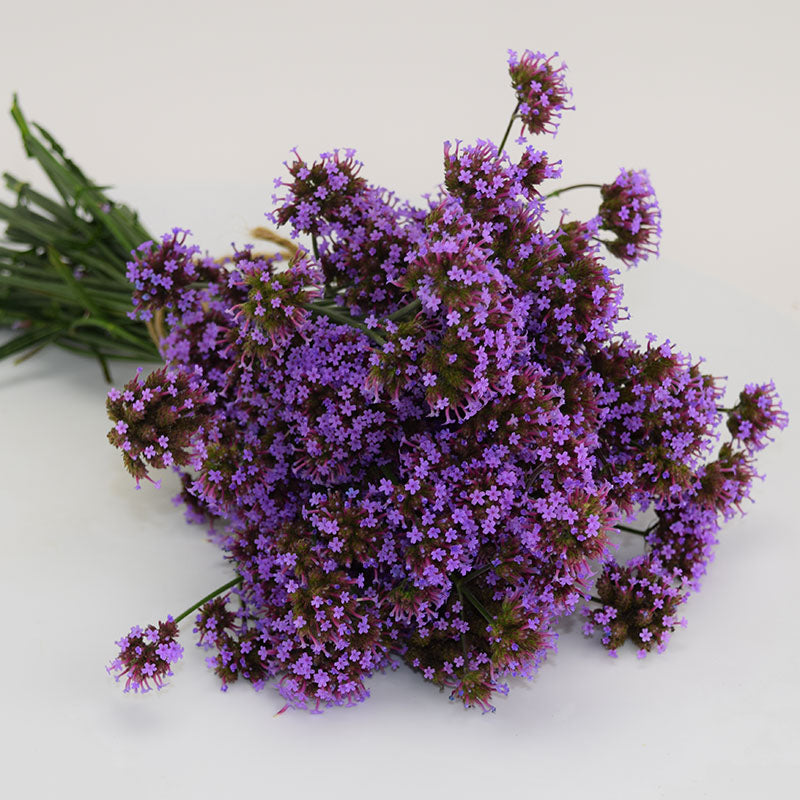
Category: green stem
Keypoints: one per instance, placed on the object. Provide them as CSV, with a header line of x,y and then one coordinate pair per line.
x,y
574,186
508,129
328,302
464,619
103,364
117,356
630,530
344,319
95,322
476,603
406,310
25,356
228,585
476,573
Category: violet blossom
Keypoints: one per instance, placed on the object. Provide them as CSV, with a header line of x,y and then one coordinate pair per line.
x,y
415,433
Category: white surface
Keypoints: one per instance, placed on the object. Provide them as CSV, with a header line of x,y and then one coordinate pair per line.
x,y
190,111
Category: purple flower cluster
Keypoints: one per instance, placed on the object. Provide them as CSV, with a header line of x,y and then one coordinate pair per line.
x,y
639,602
146,656
758,412
360,232
274,302
418,431
155,420
161,274
631,212
539,82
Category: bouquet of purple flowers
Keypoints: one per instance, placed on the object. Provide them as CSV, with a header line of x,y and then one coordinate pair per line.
x,y
415,431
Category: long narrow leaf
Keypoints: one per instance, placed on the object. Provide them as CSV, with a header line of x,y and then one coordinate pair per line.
x,y
63,265
32,338
27,195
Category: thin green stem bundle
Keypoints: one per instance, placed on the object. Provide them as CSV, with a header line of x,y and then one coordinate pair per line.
x,y
63,262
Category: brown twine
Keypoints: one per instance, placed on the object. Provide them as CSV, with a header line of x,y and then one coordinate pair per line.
x,y
155,327
267,235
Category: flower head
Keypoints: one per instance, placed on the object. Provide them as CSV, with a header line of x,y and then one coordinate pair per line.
x,y
758,412
684,536
541,90
319,192
487,183
275,304
160,273
639,602
660,412
156,419
725,483
146,656
630,210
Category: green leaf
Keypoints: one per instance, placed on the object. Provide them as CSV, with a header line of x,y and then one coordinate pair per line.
x,y
47,239
39,336
74,285
26,195
74,187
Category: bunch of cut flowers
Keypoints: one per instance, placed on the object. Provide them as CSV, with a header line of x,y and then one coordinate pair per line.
x,y
414,431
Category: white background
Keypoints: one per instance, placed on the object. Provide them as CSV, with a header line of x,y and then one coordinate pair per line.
x,y
189,110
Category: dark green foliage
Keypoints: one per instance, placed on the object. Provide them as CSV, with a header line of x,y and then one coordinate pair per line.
x,y
63,262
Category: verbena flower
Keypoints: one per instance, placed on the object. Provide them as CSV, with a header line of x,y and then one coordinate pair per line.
x,y
541,90
630,211
639,603
274,305
161,273
661,413
361,232
758,413
684,537
156,419
724,483
146,656
414,438
319,192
